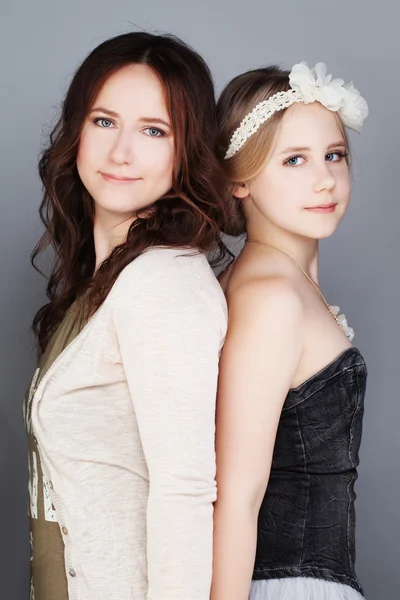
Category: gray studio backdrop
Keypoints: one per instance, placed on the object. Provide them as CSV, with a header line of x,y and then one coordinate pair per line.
x,y
42,42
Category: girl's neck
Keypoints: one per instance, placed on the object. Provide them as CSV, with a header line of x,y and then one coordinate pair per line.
x,y
303,250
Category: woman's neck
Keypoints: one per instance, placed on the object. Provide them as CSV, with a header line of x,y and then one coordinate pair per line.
x,y
108,232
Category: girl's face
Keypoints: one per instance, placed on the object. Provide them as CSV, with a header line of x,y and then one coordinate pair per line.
x,y
126,151
304,187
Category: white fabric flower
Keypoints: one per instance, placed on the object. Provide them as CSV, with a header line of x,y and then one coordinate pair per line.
x,y
330,92
342,321
316,85
302,80
354,109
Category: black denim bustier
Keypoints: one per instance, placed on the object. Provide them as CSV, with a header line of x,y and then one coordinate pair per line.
x,y
306,525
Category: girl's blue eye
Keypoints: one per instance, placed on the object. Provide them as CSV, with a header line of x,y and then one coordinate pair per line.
x,y
334,156
294,161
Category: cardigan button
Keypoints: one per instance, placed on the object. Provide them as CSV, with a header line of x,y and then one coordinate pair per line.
x,y
72,572
64,530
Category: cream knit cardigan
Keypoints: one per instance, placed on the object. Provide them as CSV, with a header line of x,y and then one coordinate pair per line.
x,y
124,420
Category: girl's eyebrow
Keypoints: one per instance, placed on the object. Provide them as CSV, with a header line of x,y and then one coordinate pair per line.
x,y
340,144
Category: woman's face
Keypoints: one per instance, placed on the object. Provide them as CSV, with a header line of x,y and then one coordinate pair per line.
x,y
126,151
304,187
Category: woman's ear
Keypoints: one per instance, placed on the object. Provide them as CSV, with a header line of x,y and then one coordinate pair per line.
x,y
241,191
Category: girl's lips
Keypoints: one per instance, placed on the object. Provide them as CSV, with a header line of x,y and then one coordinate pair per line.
x,y
324,208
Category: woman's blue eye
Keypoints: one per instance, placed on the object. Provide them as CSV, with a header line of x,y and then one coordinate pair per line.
x,y
104,123
154,132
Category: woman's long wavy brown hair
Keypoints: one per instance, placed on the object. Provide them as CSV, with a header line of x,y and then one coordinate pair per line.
x,y
190,215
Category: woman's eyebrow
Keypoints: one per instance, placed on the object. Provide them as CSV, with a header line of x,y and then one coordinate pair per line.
x,y
112,113
105,110
154,120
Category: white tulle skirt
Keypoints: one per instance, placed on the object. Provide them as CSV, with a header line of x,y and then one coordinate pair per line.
x,y
301,588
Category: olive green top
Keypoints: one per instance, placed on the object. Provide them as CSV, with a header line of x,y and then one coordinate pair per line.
x,y
48,578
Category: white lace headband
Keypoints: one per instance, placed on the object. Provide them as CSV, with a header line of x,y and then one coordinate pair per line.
x,y
307,85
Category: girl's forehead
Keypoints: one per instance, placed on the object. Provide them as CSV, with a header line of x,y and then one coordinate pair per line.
x,y
308,125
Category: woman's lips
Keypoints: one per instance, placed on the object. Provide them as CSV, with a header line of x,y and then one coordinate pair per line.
x,y
117,180
322,209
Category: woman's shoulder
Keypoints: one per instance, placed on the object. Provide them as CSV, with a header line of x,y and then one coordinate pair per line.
x,y
178,259
161,263
181,273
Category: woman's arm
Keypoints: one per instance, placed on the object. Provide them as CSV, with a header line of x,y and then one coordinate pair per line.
x,y
258,362
170,331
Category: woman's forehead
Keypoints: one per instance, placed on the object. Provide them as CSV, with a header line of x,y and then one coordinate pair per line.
x,y
134,89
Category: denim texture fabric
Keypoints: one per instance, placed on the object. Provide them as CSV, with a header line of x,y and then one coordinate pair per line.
x,y
306,525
